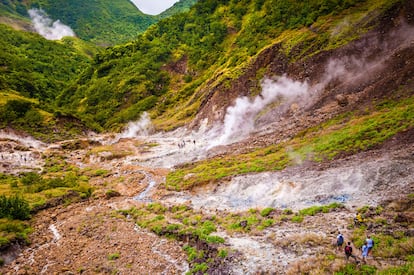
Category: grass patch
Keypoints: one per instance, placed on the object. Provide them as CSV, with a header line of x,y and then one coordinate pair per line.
x,y
313,210
13,230
114,256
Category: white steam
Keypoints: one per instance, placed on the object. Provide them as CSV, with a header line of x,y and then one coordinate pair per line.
x,y
47,28
142,127
349,69
243,118
240,118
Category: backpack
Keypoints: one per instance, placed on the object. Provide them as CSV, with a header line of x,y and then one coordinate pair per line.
x,y
340,239
348,250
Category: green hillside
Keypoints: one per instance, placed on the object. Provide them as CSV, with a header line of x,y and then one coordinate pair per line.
x,y
179,7
101,22
33,72
105,22
170,70
214,43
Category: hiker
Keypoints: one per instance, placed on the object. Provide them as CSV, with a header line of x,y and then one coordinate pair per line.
x,y
364,250
370,244
358,220
348,253
339,241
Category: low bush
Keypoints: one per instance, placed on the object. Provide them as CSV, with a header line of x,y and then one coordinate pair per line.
x,y
14,207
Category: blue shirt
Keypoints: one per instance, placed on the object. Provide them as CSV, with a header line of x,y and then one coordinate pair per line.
x,y
370,243
364,250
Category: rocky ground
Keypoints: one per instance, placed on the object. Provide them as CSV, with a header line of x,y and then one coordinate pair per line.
x,y
91,237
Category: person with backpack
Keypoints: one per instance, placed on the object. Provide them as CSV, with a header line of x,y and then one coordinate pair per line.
x,y
364,251
339,241
359,220
370,244
348,253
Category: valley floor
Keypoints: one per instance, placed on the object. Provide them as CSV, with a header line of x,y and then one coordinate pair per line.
x,y
102,235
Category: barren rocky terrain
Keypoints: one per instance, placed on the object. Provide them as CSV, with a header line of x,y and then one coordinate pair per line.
x,y
91,237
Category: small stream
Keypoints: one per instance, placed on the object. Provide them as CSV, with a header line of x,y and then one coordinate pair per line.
x,y
143,196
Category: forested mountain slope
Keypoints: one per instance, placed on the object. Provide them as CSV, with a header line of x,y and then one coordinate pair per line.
x,y
178,7
33,72
101,22
174,69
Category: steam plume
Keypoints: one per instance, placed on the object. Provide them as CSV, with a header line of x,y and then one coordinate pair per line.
x,y
240,118
140,127
47,28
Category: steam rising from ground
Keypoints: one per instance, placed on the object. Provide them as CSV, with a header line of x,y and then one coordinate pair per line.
x,y
281,93
240,118
248,115
47,28
142,127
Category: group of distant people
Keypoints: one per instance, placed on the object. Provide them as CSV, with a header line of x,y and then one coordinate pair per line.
x,y
182,143
366,248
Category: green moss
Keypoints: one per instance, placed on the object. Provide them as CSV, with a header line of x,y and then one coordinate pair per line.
x,y
311,211
12,231
297,218
265,212
114,256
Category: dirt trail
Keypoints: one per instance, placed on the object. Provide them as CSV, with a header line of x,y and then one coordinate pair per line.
x,y
89,238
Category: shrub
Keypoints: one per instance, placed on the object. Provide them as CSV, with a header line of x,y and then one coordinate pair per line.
x,y
297,218
14,207
214,239
267,223
265,212
113,256
203,267
222,253
11,230
30,178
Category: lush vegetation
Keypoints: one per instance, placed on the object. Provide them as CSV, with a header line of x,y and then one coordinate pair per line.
x,y
213,43
101,22
37,68
13,9
165,71
106,22
33,72
21,195
346,134
178,7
